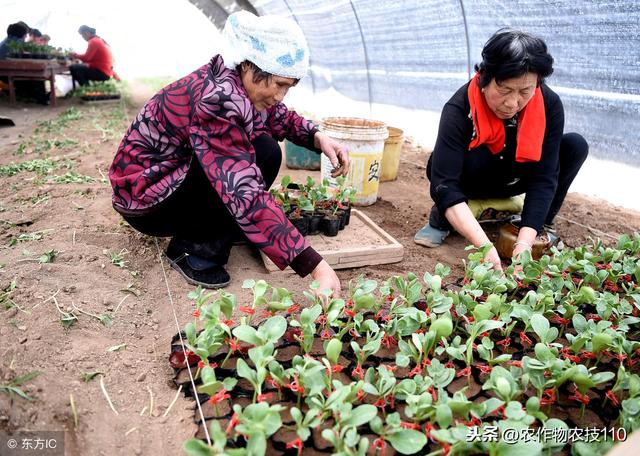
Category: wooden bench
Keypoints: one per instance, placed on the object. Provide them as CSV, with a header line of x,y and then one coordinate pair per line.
x,y
31,69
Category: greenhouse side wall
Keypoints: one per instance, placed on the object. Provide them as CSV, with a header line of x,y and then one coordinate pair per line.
x,y
415,54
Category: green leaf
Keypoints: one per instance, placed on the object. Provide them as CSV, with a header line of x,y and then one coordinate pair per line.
x,y
260,288
310,314
407,441
257,444
210,388
554,423
229,383
491,404
190,331
519,448
540,325
273,328
444,417
602,377
25,378
68,319
487,325
367,301
247,334
210,385
245,371
105,319
579,322
16,390
402,360
361,415
88,376
334,347
482,312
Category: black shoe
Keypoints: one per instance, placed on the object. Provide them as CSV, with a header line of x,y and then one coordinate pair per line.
x,y
198,271
215,250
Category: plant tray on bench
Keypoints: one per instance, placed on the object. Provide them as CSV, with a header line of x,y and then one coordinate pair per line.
x,y
361,243
101,97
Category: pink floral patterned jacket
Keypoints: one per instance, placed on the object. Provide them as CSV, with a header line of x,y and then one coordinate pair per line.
x,y
207,114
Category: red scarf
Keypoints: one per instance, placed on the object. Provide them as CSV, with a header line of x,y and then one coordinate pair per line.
x,y
490,129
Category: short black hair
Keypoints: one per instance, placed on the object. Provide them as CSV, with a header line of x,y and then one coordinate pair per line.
x,y
512,53
259,74
87,29
17,30
35,32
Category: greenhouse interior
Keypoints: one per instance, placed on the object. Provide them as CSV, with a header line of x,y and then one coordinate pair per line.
x,y
301,227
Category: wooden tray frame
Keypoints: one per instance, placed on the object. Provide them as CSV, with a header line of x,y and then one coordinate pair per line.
x,y
355,257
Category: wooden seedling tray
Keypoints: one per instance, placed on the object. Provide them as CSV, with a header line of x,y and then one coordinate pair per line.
x,y
361,243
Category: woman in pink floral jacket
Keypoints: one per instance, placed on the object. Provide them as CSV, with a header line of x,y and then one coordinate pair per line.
x,y
198,160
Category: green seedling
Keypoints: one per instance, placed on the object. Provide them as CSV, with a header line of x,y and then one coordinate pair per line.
x,y
117,258
13,387
28,237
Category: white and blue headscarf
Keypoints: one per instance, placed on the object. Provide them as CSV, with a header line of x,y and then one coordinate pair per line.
x,y
275,44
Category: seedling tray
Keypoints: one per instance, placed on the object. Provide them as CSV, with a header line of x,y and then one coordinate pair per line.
x,y
361,243
100,97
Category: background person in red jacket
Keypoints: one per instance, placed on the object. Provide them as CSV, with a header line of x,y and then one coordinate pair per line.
x,y
98,59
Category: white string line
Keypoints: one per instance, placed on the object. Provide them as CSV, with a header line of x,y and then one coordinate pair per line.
x,y
587,227
184,349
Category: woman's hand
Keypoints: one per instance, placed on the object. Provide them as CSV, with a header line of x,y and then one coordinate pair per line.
x,y
337,154
493,257
526,238
462,219
327,278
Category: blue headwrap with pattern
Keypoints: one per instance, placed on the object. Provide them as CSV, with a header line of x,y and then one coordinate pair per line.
x,y
275,44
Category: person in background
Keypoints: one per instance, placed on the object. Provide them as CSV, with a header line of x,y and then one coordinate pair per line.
x,y
197,162
17,33
98,60
35,36
502,134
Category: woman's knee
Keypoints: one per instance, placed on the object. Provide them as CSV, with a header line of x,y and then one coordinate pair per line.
x,y
268,157
575,145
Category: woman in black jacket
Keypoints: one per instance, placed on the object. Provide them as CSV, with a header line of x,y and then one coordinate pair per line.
x,y
501,135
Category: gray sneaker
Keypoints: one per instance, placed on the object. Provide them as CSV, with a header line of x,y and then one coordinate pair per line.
x,y
430,236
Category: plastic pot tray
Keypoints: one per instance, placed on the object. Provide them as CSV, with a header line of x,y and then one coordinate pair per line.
x,y
100,97
361,243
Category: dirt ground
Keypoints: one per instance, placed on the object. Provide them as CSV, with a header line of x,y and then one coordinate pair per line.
x,y
76,220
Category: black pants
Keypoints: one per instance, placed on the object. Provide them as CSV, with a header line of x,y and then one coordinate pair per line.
x,y
82,74
194,212
573,152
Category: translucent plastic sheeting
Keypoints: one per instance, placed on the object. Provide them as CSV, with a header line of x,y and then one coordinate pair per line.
x,y
417,53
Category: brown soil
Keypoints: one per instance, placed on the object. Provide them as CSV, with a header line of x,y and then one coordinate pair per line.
x,y
85,230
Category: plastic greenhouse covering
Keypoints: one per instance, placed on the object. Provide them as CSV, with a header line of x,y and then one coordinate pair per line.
x,y
416,53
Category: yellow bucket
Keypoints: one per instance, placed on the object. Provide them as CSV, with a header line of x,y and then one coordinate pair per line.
x,y
365,140
391,155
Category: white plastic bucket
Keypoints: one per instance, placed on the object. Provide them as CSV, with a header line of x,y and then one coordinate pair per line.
x,y
365,140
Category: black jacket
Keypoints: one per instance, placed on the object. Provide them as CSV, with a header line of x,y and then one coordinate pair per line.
x,y
458,174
